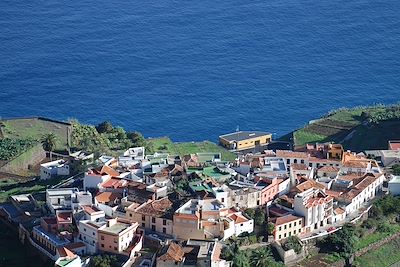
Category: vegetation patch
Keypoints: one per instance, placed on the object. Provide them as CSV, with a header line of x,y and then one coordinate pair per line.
x,y
11,148
386,255
358,128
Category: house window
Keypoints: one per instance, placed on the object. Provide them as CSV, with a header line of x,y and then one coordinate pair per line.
x,y
93,233
102,237
294,224
164,230
164,222
280,236
115,248
84,229
143,225
102,245
153,220
290,225
290,233
143,218
288,161
222,199
280,228
302,161
130,214
295,160
284,235
294,232
285,227
153,227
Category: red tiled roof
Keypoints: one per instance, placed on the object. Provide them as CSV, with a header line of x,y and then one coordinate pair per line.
x,y
237,218
64,217
155,208
286,219
64,252
291,154
90,209
174,253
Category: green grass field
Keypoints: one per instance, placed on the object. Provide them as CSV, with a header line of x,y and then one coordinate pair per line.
x,y
386,255
376,236
336,127
164,144
35,129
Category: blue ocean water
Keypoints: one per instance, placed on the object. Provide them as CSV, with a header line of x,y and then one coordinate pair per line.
x,y
195,69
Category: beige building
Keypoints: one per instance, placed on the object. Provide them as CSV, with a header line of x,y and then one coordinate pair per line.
x,y
287,226
119,236
155,215
245,140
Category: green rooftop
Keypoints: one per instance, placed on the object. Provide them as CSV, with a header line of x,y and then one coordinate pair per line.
x,y
216,173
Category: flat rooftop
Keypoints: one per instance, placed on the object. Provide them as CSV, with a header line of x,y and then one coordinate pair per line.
x,y
243,135
116,228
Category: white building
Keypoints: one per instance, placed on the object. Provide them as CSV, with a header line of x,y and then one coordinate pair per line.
x,y
136,153
359,190
88,234
54,168
67,199
94,177
315,206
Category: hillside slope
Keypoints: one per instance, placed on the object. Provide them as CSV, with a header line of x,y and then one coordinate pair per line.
x,y
357,129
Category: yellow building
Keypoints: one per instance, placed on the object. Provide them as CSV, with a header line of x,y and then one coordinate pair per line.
x,y
287,226
245,140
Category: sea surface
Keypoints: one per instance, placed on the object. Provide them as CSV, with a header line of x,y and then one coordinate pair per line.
x,y
193,70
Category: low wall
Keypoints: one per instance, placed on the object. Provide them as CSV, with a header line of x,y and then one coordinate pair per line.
x,y
289,257
20,164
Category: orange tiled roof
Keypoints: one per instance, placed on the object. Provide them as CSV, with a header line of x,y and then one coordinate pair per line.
x,y
108,170
291,154
155,208
90,209
299,166
286,219
238,218
328,169
174,253
64,252
107,197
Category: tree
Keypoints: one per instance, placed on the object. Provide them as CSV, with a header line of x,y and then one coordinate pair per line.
x,y
136,138
396,169
261,257
241,259
292,242
49,142
344,240
270,228
103,261
104,127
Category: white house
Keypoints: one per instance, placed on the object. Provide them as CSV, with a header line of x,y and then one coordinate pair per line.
x,y
315,206
88,234
360,189
94,177
136,153
67,199
54,168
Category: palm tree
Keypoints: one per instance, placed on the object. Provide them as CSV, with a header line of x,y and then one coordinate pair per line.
x,y
49,142
261,257
241,259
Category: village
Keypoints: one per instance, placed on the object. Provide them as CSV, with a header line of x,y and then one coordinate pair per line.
x,y
160,209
